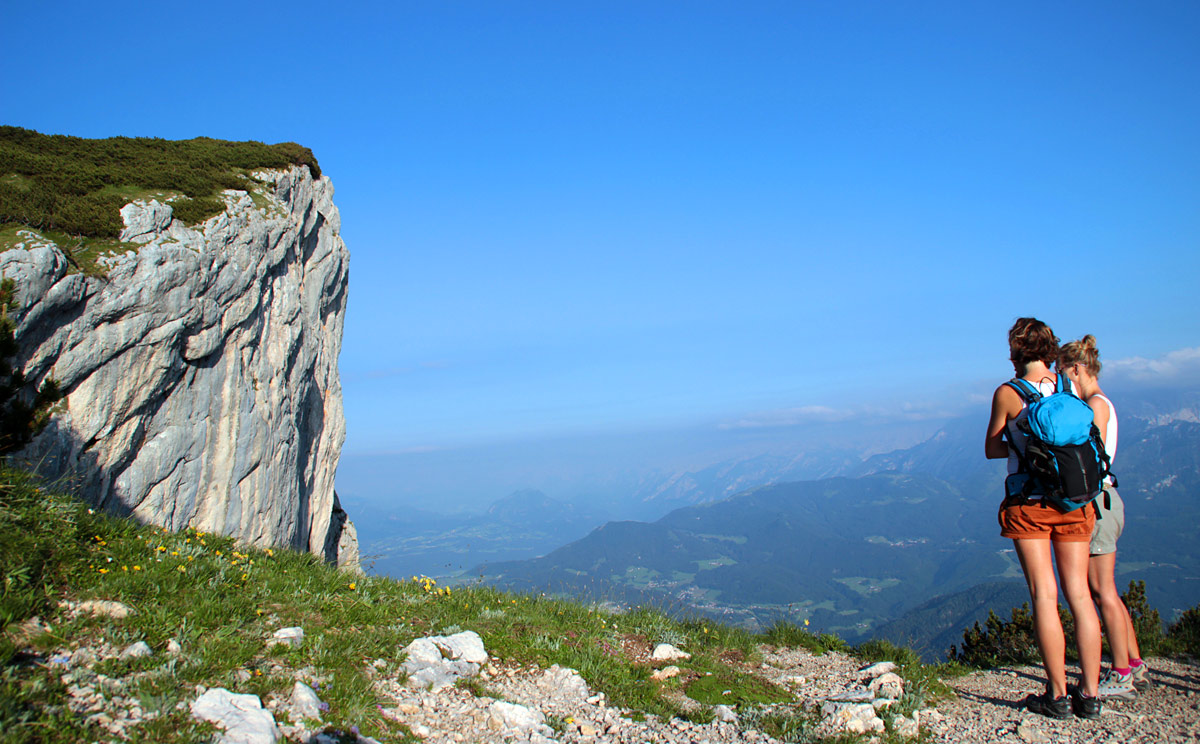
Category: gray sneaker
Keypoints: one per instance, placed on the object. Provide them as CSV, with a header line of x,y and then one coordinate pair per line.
x,y
1140,680
1116,686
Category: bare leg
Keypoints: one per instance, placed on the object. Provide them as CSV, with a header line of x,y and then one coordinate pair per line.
x,y
1037,563
1116,617
1072,560
1135,652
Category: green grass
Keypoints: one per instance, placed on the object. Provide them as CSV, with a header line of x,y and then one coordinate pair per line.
x,y
77,186
82,252
221,601
866,586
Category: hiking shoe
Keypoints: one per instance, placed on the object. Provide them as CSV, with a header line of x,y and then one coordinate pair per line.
x,y
1117,686
1140,681
1051,707
1084,706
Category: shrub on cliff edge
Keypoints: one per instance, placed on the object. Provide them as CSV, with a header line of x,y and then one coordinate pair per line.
x,y
78,186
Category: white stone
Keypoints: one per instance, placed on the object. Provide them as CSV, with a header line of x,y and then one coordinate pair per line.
x,y
905,727
665,673
464,646
853,695
513,716
855,718
105,608
435,662
201,371
173,648
304,702
888,685
563,683
144,221
293,637
665,651
725,713
874,670
137,650
424,651
241,716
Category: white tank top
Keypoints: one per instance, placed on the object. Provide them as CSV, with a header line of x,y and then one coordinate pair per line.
x,y
1015,436
1110,433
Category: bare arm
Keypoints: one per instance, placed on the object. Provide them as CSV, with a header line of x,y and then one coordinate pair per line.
x,y
1006,404
1099,415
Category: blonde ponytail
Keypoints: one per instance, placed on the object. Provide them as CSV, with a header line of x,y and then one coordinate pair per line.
x,y
1083,352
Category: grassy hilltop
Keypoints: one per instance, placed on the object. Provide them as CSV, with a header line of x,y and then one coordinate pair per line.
x,y
221,602
77,186
70,190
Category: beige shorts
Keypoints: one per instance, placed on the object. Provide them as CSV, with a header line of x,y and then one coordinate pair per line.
x,y
1109,525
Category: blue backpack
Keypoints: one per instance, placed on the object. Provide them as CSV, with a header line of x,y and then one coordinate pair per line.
x,y
1064,461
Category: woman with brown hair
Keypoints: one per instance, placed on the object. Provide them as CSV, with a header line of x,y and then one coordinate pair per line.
x,y
1045,537
1080,362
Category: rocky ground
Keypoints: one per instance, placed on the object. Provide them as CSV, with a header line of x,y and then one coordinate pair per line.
x,y
450,690
987,707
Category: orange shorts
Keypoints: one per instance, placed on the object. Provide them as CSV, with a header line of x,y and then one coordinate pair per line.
x,y
1037,521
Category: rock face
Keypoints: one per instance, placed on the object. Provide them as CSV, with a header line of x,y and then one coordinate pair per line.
x,y
201,373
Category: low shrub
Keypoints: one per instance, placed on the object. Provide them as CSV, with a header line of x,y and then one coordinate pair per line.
x,y
74,185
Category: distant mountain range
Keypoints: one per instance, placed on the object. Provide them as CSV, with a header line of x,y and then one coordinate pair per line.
x,y
871,552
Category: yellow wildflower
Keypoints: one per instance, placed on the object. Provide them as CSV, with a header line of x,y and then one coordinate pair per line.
x,y
137,568
245,576
161,549
104,570
181,568
353,586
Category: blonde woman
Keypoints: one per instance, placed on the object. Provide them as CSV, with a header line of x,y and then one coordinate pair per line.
x,y
1045,538
1080,362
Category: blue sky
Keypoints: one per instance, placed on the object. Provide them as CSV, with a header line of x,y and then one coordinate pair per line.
x,y
570,218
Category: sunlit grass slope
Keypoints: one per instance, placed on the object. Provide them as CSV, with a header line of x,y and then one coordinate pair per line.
x,y
221,602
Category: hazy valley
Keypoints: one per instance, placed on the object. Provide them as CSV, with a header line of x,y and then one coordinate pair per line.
x,y
901,544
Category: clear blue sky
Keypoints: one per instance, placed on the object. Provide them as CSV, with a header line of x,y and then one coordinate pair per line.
x,y
572,217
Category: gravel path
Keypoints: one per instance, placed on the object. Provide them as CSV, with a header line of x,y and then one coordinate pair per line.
x,y
987,709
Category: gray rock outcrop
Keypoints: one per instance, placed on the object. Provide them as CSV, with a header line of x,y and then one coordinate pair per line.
x,y
200,372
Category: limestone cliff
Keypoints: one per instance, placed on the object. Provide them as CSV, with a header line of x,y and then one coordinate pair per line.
x,y
200,371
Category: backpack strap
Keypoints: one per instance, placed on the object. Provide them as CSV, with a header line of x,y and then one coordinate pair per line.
x,y
1030,395
1028,392
1063,384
